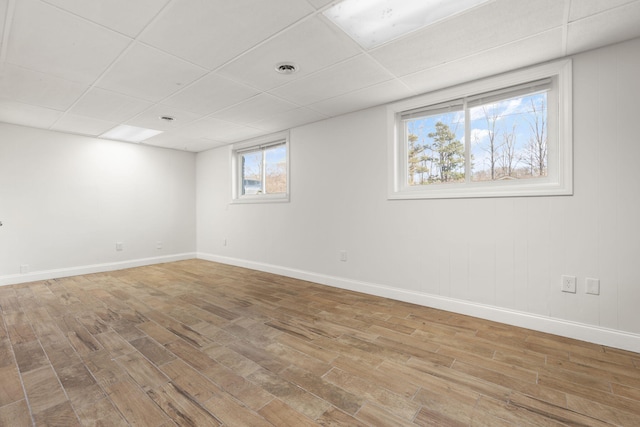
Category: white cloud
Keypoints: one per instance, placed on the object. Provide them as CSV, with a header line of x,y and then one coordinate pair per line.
x,y
499,109
511,106
479,135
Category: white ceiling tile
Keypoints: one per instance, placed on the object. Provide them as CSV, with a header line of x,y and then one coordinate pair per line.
x,y
348,76
147,73
255,109
374,95
170,139
150,118
211,33
194,58
311,45
125,16
583,8
82,125
533,50
289,119
319,4
483,28
210,94
613,26
106,105
193,145
218,130
33,87
202,144
27,115
63,45
3,17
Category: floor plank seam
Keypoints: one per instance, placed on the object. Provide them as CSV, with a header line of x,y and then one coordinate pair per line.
x,y
260,347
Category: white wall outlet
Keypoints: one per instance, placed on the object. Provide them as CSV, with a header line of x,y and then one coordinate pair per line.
x,y
593,286
158,245
24,268
224,242
342,256
568,284
119,246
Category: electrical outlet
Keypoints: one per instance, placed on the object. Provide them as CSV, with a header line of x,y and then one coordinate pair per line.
x,y
158,245
119,246
568,284
24,268
593,286
224,242
343,256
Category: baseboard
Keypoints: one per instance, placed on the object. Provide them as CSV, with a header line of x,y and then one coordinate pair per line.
x,y
35,276
580,331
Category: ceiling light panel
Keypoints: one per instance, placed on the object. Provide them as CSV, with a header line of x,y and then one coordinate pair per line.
x,y
130,133
488,27
375,22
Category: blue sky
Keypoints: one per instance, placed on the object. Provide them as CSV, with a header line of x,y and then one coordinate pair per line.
x,y
274,156
507,114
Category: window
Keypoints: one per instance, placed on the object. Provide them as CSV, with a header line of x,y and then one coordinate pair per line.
x,y
261,169
508,135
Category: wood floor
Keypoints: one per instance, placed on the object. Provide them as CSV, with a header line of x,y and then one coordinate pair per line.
x,y
196,343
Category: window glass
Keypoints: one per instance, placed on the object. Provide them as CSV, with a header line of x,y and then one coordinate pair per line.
x,y
252,173
260,170
264,171
509,138
435,149
508,135
276,170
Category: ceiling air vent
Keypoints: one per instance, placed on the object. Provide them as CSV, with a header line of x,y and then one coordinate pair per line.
x,y
286,68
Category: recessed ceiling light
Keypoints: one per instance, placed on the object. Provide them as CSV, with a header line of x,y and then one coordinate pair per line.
x,y
130,133
374,22
286,68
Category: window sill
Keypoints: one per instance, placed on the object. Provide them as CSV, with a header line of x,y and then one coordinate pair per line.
x,y
481,190
261,199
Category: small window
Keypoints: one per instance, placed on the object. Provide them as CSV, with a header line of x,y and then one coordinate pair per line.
x,y
261,170
505,136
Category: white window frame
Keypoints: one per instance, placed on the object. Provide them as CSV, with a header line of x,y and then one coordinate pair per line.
x,y
559,180
261,143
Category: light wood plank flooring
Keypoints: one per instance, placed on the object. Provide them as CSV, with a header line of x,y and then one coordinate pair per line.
x,y
196,343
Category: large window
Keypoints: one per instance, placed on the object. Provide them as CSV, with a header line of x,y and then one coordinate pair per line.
x,y
261,170
505,136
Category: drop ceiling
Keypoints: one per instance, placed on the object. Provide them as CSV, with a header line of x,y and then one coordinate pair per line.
x,y
86,66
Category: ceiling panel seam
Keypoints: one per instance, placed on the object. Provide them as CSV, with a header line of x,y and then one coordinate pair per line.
x,y
565,26
8,20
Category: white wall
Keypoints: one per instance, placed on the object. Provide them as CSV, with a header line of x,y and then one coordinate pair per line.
x,y
496,258
66,200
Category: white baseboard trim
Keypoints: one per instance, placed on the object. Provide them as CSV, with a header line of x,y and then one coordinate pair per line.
x,y
580,331
35,276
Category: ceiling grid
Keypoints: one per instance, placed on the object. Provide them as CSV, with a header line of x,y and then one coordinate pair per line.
x,y
86,67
